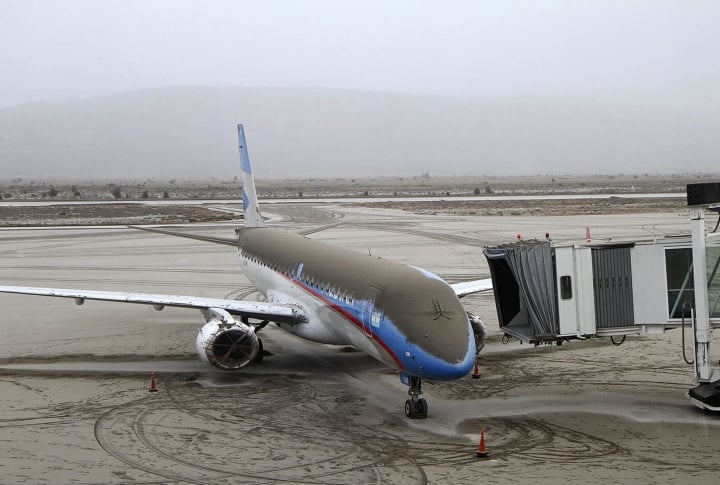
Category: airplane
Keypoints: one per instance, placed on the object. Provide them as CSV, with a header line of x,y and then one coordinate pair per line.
x,y
404,316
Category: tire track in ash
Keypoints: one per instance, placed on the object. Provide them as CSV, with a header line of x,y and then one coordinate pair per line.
x,y
115,425
283,434
351,460
151,446
300,213
387,453
242,292
542,442
456,239
413,448
505,372
536,440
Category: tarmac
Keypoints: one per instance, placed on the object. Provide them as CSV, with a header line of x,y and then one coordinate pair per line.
x,y
74,380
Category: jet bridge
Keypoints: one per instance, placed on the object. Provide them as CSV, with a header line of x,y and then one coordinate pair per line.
x,y
547,292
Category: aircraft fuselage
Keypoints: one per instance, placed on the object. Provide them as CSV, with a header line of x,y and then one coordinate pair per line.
x,y
405,317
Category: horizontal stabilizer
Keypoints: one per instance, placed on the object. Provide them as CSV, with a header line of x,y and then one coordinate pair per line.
x,y
217,240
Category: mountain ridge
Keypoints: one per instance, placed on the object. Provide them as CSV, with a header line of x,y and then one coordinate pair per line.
x,y
189,131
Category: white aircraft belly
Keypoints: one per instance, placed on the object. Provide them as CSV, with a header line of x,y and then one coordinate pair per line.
x,y
324,325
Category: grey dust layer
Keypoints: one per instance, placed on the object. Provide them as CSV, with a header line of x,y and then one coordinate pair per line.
x,y
73,379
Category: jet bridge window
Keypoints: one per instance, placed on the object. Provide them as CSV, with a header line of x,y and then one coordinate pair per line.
x,y
681,283
713,265
565,287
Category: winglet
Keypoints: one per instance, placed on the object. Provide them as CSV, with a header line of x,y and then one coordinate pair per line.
x,y
253,217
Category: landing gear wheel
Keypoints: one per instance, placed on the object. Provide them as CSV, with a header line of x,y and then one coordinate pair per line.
x,y
261,353
421,408
416,408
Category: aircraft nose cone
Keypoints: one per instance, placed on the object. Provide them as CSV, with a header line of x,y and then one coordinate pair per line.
x,y
444,359
437,339
438,369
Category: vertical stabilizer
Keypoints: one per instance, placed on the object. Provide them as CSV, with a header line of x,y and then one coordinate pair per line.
x,y
253,218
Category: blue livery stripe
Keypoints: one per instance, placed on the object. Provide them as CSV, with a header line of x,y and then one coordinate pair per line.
x,y
415,360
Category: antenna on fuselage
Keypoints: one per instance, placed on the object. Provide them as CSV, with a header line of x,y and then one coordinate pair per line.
x,y
251,209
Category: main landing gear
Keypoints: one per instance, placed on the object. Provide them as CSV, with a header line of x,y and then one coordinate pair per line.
x,y
261,350
416,408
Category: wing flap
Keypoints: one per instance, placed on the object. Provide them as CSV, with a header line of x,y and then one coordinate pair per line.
x,y
469,287
258,310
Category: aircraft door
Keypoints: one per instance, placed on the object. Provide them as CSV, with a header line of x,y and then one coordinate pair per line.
x,y
371,315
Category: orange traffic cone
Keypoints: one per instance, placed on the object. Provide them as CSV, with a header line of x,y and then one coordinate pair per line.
x,y
153,386
588,238
476,371
482,452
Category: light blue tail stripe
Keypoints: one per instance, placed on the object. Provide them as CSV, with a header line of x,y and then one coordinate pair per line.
x,y
244,157
253,218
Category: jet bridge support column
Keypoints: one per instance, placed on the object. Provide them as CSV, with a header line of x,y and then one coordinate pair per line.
x,y
707,394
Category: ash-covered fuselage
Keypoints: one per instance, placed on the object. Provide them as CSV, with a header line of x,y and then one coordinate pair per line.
x,y
404,316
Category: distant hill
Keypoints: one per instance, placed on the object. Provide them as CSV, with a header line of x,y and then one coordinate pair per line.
x,y
190,132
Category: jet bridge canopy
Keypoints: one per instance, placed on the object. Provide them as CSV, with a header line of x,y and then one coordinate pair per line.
x,y
524,283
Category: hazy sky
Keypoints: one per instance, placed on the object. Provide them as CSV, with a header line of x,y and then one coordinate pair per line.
x,y
649,50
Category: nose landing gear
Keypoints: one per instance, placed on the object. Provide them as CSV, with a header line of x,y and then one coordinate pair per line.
x,y
416,408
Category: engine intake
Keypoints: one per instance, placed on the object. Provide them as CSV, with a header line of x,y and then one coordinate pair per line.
x,y
226,344
479,331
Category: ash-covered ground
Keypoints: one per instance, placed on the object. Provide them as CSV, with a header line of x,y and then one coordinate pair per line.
x,y
415,186
101,203
68,214
75,405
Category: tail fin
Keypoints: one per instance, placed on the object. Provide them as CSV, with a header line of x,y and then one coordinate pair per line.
x,y
253,218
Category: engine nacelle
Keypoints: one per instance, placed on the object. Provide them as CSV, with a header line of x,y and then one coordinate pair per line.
x,y
478,331
226,344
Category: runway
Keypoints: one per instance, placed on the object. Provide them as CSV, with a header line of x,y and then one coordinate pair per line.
x,y
73,379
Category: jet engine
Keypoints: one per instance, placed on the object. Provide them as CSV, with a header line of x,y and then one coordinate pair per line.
x,y
224,343
478,331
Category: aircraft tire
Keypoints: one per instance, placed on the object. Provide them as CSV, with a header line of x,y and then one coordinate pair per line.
x,y
261,353
409,409
422,408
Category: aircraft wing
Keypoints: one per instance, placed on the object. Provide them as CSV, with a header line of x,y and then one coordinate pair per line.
x,y
469,287
257,310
